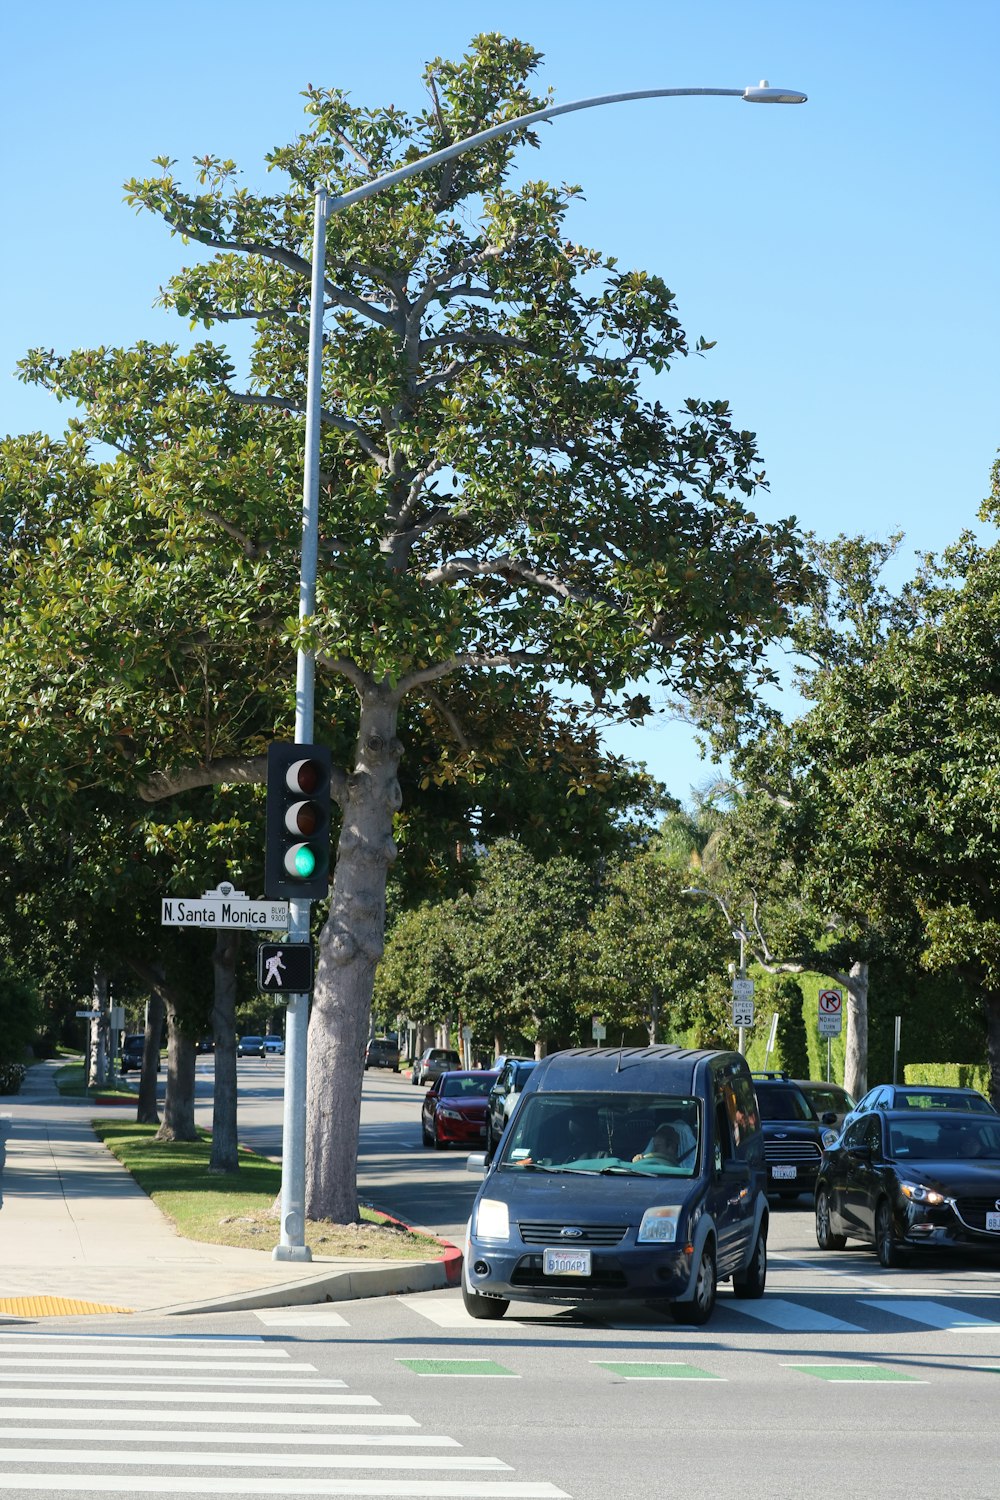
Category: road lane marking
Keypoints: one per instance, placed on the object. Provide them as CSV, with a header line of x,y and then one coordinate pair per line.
x,y
792,1317
635,1369
462,1368
857,1374
169,1458
935,1315
235,1384
448,1312
289,1317
256,1419
249,1398
208,1484
39,1362
11,1433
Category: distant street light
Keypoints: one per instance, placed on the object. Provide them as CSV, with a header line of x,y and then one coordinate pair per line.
x,y
292,1245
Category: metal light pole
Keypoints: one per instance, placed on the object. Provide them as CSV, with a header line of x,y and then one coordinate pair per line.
x,y
292,1244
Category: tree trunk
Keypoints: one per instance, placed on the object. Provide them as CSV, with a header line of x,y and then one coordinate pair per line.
x,y
178,1106
225,1146
350,947
98,1070
856,1047
147,1112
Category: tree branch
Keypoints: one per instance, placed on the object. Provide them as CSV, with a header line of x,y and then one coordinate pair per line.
x,y
331,419
227,771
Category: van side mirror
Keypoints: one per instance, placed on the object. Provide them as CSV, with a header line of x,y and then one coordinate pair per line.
x,y
829,1118
738,1169
476,1162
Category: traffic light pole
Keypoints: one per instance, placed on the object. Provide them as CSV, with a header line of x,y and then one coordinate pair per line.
x,y
292,1243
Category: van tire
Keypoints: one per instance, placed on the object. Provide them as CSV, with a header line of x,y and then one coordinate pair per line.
x,y
490,1309
750,1283
699,1309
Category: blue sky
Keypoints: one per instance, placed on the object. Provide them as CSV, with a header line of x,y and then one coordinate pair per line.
x,y
842,254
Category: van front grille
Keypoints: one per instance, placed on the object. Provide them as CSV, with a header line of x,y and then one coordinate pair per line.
x,y
535,1232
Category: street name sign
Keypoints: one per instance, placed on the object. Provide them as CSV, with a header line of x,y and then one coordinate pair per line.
x,y
831,1012
89,1015
285,968
224,907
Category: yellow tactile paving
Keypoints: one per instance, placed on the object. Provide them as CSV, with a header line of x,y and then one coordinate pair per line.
x,y
54,1307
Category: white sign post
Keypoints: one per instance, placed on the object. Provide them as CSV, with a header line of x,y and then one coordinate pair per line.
x,y
831,1019
224,907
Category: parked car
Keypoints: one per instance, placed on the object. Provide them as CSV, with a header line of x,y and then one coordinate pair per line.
x,y
382,1052
454,1109
795,1137
827,1099
275,1044
131,1054
919,1096
205,1044
249,1046
503,1096
913,1179
432,1063
577,1206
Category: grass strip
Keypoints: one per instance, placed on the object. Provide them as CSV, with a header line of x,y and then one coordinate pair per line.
x,y
241,1208
70,1081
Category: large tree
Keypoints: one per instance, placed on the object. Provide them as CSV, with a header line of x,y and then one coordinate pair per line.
x,y
501,499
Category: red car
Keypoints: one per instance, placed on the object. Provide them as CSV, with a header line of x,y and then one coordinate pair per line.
x,y
454,1109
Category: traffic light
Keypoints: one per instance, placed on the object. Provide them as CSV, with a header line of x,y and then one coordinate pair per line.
x,y
297,855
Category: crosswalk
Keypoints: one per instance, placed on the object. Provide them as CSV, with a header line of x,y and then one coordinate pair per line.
x,y
135,1414
781,1314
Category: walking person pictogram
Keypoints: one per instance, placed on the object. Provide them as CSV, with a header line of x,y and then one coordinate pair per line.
x,y
274,968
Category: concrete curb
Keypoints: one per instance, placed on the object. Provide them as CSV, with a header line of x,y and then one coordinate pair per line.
x,y
333,1286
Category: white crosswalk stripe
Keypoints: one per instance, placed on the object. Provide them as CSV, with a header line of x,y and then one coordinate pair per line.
x,y
308,1435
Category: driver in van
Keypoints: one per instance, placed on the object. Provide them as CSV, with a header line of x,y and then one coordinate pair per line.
x,y
664,1147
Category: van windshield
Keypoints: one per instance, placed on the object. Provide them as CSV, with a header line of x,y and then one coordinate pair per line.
x,y
644,1134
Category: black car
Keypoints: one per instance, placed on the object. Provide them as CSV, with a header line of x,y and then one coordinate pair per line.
x,y
795,1136
131,1057
382,1052
913,1180
503,1096
919,1096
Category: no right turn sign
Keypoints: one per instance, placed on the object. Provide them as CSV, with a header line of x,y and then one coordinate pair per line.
x,y
831,1003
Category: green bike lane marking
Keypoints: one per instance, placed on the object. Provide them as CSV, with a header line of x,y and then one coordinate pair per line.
x,y
460,1367
634,1369
857,1374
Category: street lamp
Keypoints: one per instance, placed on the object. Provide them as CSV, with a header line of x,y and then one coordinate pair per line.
x,y
292,1245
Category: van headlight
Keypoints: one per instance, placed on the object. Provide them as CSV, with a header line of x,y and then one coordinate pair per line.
x,y
659,1224
492,1220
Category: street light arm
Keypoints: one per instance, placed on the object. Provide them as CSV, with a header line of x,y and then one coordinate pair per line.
x,y
761,94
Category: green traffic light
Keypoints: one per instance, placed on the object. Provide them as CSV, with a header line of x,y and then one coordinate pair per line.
x,y
305,861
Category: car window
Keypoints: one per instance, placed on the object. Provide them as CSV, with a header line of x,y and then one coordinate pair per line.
x,y
940,1138
824,1099
855,1133
784,1102
642,1134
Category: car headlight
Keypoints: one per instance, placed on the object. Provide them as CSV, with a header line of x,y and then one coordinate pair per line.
x,y
920,1194
829,1138
449,1114
492,1219
659,1224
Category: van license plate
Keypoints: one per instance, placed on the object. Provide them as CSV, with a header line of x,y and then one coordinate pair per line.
x,y
783,1172
566,1262
993,1223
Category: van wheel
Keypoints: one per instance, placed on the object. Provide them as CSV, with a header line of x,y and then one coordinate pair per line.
x,y
489,1308
702,1304
750,1283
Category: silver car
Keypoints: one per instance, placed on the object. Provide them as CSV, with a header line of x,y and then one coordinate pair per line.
x,y
432,1062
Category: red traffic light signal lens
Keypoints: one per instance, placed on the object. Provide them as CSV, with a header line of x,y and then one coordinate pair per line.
x,y
305,776
304,818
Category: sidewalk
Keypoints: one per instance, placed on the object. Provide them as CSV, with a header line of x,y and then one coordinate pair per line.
x,y
78,1236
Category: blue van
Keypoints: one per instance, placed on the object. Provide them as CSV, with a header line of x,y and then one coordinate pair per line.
x,y
624,1175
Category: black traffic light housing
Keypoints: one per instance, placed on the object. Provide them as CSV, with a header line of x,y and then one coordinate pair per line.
x,y
297,853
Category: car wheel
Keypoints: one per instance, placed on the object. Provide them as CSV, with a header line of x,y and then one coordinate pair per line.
x,y
885,1240
825,1237
426,1135
439,1144
702,1304
476,1306
751,1282
396,1068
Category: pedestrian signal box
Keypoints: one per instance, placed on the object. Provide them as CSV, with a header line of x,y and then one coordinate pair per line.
x,y
297,852
285,968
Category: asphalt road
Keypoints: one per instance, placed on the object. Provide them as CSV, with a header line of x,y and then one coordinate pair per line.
x,y
844,1379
